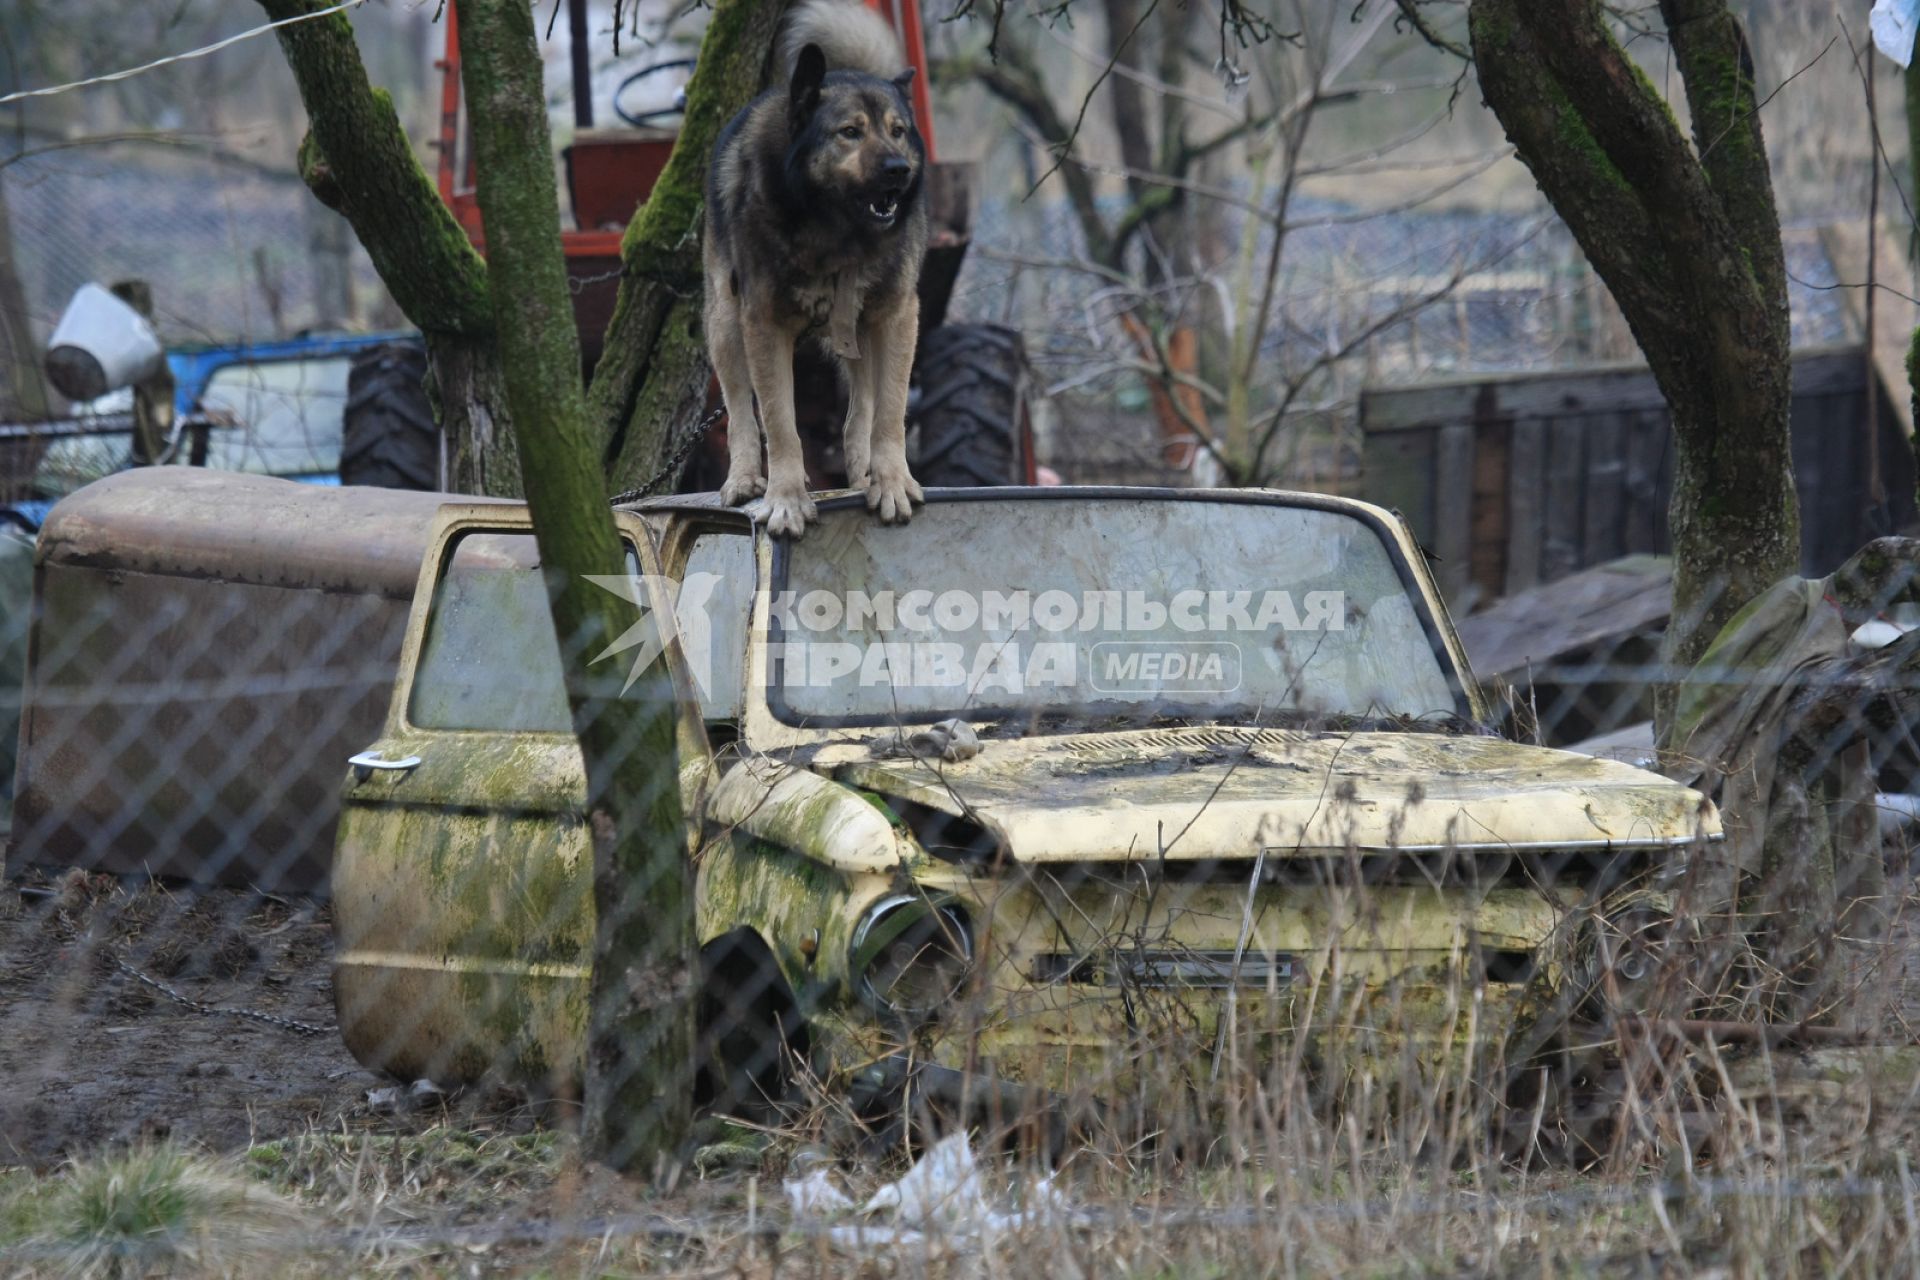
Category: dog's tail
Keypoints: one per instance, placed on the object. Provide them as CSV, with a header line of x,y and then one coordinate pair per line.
x,y
852,36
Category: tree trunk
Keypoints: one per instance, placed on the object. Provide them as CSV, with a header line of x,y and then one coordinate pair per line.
x,y
470,402
1688,241
357,160
657,443
1911,83
639,1075
23,388
656,319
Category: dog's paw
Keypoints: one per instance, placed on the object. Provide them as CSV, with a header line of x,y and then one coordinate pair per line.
x,y
789,510
740,489
892,491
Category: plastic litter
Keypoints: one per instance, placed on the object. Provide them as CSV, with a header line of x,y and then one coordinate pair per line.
x,y
394,1100
813,1195
941,1201
1893,23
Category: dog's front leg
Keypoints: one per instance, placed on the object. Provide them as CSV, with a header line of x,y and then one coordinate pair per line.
x,y
770,360
891,489
728,347
856,438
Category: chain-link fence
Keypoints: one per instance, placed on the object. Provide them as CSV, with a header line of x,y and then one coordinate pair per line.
x,y
1364,304
233,251
1158,842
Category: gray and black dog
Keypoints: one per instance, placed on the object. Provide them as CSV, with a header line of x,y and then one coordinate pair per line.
x,y
816,222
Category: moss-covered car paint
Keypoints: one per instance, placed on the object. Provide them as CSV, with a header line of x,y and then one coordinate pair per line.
x,y
464,916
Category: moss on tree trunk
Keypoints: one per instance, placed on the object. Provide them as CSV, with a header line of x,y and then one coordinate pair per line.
x,y
639,1074
357,160
641,420
1688,241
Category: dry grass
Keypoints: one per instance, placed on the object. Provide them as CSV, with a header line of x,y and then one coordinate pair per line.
x,y
1792,1166
149,1209
1652,1154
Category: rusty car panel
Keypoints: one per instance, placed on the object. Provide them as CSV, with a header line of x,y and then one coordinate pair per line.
x,y
254,645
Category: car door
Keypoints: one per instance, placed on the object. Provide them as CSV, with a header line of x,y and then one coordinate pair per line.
x,y
462,876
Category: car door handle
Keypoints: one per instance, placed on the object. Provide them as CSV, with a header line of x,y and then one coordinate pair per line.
x,y
374,760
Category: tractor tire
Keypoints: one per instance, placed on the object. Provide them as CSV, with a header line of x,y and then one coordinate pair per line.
x,y
389,439
972,408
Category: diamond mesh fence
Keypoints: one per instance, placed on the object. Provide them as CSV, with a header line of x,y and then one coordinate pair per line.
x,y
1161,842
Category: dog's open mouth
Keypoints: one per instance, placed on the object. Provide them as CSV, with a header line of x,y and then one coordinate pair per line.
x,y
883,209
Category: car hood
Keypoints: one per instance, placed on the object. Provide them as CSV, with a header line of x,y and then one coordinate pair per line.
x,y
1227,793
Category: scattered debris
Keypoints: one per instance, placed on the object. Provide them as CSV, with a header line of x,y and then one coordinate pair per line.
x,y
951,740
813,1195
393,1100
1575,650
942,1197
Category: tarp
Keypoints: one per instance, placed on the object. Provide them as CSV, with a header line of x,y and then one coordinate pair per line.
x,y
1799,817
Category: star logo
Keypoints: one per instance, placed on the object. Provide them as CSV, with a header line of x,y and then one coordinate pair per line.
x,y
670,609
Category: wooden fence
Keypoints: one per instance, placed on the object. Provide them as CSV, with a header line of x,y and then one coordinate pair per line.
x,y
1515,479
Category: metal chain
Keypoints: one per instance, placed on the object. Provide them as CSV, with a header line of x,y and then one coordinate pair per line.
x,y
218,1010
673,464
576,285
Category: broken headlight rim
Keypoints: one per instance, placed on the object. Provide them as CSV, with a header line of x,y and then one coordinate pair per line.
x,y
911,955
1629,940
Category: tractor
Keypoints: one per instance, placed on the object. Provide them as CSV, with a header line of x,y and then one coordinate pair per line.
x,y
968,416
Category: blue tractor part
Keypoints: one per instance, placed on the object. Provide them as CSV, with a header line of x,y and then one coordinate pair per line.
x,y
194,367
279,408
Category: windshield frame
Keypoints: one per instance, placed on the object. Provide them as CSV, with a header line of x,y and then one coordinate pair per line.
x,y
1392,534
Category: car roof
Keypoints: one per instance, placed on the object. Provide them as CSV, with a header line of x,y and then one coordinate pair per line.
x,y
710,504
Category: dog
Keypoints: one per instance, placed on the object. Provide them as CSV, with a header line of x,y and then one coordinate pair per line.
x,y
816,223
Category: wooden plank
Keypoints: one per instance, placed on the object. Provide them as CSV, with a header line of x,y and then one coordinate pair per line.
x,y
1452,541
1519,395
1492,490
1560,553
1617,599
1526,527
1894,317
1618,388
1820,442
1605,499
1398,475
1649,439
1831,370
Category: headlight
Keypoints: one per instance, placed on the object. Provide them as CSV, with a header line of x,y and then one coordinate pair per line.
x,y
1624,949
911,955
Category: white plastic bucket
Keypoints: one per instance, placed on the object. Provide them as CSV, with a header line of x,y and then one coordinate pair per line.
x,y
100,345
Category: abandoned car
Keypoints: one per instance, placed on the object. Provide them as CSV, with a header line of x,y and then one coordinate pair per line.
x,y
1039,781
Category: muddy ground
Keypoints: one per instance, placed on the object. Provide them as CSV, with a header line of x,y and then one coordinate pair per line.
x,y
93,1057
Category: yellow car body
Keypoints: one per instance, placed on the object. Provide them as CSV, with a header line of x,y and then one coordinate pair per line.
x,y
1211,882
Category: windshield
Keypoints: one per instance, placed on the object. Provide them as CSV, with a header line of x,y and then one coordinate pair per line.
x,y
277,418
1141,607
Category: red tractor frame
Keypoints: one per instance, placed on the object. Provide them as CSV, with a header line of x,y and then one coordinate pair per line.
x,y
969,413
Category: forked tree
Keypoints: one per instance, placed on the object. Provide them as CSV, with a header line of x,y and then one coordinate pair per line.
x,y
1687,239
506,369
650,386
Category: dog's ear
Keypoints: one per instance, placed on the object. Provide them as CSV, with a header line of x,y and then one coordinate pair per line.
x,y
803,95
904,81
